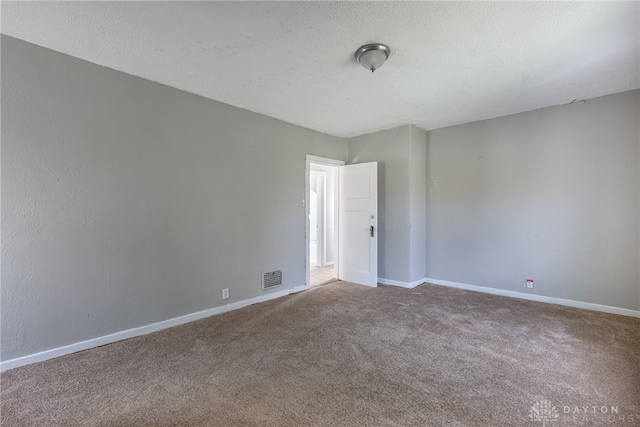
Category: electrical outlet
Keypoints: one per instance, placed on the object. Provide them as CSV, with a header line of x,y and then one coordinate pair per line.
x,y
225,293
530,283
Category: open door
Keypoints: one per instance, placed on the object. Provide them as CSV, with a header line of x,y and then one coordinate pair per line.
x,y
359,224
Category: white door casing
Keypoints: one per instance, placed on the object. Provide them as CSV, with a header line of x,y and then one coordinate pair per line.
x,y
330,163
317,218
359,224
313,225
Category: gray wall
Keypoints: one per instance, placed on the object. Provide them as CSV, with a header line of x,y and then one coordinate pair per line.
x,y
551,195
126,202
418,202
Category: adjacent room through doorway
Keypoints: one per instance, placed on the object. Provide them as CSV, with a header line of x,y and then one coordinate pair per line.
x,y
322,202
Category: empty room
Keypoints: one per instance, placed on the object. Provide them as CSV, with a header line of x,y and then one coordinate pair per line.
x,y
319,213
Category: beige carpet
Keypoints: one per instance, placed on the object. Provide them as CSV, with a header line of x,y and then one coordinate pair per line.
x,y
347,355
321,275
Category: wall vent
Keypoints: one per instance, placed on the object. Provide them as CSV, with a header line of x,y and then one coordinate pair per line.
x,y
271,279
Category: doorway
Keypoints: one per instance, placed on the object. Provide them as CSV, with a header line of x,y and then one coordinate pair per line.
x,y
345,221
322,220
319,219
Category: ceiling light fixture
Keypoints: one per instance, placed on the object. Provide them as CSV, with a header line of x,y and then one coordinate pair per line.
x,y
372,56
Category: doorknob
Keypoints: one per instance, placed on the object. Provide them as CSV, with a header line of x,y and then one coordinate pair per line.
x,y
371,230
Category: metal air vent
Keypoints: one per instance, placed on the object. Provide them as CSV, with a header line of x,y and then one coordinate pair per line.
x,y
271,279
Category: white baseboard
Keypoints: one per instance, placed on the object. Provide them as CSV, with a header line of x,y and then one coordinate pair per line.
x,y
142,330
293,290
408,285
539,298
147,329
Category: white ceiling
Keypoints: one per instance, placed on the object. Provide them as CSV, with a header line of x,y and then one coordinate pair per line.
x,y
451,62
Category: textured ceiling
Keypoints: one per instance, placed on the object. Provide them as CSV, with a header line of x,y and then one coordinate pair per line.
x,y
451,62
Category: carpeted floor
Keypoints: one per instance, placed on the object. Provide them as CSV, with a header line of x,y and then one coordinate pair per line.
x,y
348,355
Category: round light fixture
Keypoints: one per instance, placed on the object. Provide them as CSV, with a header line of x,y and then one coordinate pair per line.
x,y
372,56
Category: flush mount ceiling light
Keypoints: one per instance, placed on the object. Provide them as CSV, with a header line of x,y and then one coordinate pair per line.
x,y
372,56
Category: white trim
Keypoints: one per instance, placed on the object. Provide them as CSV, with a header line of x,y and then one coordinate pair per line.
x,y
296,290
539,298
408,285
147,329
324,160
142,330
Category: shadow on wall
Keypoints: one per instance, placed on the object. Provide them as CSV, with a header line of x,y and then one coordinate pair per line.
x,y
381,219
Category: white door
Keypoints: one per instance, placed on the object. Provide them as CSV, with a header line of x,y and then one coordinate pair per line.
x,y
359,224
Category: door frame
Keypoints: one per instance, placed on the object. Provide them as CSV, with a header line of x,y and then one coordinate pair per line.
x,y
326,162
